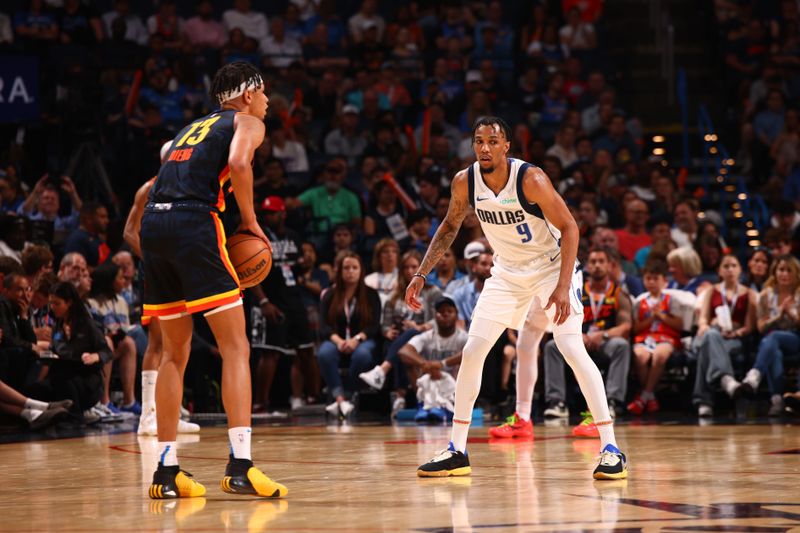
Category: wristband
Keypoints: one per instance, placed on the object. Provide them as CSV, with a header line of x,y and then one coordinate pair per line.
x,y
420,275
263,301
445,366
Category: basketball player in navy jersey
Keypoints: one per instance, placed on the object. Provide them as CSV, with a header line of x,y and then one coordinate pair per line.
x,y
535,276
187,270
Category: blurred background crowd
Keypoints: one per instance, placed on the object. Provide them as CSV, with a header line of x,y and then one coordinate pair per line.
x,y
371,112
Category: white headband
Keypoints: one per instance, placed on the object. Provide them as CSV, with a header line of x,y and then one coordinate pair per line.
x,y
250,84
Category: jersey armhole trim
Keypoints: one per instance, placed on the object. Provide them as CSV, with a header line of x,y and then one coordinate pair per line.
x,y
528,207
471,184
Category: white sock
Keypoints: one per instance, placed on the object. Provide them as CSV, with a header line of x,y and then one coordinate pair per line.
x,y
607,436
30,403
527,369
168,453
646,396
149,390
458,436
591,382
240,442
524,411
30,414
468,383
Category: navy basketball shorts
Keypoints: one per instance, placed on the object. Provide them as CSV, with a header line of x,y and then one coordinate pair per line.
x,y
187,268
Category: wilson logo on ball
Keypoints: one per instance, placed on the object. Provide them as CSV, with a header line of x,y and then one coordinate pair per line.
x,y
251,270
250,258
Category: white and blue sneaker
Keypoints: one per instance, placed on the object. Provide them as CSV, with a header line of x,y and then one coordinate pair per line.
x,y
612,464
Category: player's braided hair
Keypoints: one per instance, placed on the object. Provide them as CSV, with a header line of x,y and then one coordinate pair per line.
x,y
230,77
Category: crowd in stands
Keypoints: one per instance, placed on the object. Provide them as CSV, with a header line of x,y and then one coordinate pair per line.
x,y
371,112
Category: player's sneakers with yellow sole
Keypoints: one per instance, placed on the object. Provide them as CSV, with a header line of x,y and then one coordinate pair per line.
x,y
586,428
612,464
514,427
172,482
241,477
447,462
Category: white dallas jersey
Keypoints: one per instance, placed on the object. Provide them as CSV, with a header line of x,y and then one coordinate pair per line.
x,y
516,229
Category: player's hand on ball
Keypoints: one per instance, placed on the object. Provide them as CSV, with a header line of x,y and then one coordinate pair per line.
x,y
412,293
560,299
255,230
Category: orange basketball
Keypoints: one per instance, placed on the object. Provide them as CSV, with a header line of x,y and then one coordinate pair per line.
x,y
250,257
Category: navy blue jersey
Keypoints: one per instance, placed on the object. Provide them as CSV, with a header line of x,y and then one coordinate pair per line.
x,y
196,166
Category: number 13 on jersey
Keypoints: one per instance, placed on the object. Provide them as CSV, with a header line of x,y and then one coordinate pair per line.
x,y
197,132
201,128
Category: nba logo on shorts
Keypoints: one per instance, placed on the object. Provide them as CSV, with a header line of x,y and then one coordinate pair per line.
x,y
578,293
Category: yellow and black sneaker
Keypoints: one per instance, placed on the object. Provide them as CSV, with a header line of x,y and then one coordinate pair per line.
x,y
447,462
172,482
241,477
612,464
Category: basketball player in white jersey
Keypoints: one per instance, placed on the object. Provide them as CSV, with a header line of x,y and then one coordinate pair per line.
x,y
535,275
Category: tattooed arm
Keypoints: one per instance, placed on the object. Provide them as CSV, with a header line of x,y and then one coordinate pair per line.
x,y
459,204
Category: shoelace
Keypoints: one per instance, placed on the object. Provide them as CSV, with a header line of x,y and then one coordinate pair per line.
x,y
587,418
609,459
511,420
442,455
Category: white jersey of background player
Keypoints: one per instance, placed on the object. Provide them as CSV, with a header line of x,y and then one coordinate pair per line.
x,y
535,240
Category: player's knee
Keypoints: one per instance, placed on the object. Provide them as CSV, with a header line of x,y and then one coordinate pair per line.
x,y
233,347
573,325
154,344
475,348
570,344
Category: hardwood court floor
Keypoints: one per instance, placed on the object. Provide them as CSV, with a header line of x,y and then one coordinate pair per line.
x,y
362,478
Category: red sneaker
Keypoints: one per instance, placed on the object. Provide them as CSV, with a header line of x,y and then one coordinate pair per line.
x,y
513,427
637,406
652,406
586,428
